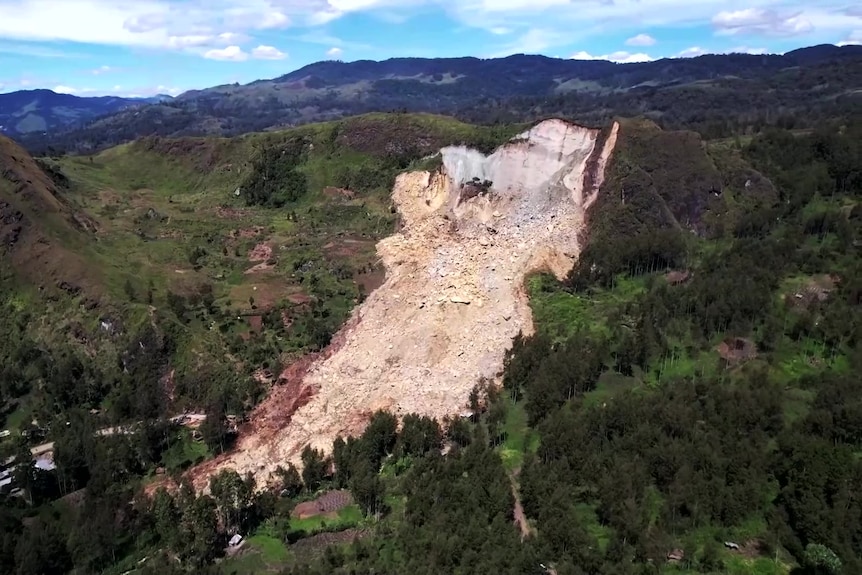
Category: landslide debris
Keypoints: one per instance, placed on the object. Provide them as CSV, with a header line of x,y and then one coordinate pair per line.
x,y
453,298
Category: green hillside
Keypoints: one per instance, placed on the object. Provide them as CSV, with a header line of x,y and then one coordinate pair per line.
x,y
688,403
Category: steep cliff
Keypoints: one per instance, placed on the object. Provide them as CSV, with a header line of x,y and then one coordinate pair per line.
x,y
453,298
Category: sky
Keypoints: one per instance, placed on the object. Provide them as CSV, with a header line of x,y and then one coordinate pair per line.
x,y
146,47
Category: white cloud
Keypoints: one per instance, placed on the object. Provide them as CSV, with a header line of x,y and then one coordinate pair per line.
x,y
268,53
853,39
334,52
692,52
202,26
641,40
533,41
620,57
761,21
229,54
273,20
120,91
747,50
101,70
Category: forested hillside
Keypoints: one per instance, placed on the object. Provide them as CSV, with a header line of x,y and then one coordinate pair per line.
x,y
688,403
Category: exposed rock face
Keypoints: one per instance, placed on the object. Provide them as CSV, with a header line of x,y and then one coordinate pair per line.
x,y
453,298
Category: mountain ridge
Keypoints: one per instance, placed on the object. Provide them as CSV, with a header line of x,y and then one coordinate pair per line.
x,y
691,93
42,110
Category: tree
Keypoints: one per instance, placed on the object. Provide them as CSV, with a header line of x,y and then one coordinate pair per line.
x,y
291,482
234,498
166,516
41,550
200,539
214,428
367,489
315,467
821,559
418,436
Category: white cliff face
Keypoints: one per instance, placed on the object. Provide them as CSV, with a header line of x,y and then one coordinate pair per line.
x,y
453,298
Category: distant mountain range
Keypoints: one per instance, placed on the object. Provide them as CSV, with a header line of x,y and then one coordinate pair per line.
x,y
45,111
702,93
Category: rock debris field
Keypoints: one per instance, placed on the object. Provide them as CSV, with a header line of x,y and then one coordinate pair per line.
x,y
454,295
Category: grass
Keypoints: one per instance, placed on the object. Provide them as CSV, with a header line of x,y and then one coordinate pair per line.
x,y
520,438
184,453
586,515
347,517
271,549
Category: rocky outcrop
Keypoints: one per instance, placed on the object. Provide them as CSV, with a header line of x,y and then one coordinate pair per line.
x,y
454,295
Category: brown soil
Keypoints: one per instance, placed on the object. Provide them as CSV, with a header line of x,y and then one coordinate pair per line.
x,y
255,322
266,294
247,233
736,350
677,277
300,298
338,193
310,547
232,213
329,503
370,281
816,289
348,247
260,253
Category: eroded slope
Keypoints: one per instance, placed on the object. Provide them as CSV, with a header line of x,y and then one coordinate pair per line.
x,y
453,298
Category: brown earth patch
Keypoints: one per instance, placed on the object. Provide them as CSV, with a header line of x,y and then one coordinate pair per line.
x,y
265,294
677,277
300,298
348,247
246,233
109,197
310,547
231,213
260,253
255,322
334,193
736,350
370,281
329,503
816,289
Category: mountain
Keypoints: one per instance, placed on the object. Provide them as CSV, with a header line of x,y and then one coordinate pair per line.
x,y
41,229
691,382
723,93
40,111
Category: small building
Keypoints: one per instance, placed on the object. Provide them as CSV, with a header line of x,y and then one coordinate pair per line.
x,y
235,541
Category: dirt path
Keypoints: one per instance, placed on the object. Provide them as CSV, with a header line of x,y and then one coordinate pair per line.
x,y
520,516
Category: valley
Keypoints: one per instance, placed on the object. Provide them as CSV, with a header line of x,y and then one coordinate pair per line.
x,y
404,343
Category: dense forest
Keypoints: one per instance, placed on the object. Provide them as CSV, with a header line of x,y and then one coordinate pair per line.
x,y
688,404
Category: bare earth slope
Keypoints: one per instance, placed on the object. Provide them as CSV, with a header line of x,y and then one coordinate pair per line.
x,y
453,298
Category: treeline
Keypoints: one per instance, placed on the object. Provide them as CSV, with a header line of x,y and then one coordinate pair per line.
x,y
275,178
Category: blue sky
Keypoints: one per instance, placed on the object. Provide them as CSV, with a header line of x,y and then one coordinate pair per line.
x,y
143,47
